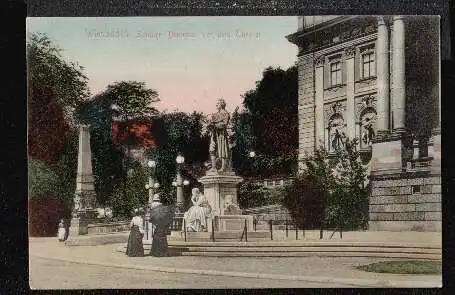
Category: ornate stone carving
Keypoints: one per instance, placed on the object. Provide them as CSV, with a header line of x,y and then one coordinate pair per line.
x,y
330,109
336,134
367,101
336,107
319,61
363,103
368,130
350,51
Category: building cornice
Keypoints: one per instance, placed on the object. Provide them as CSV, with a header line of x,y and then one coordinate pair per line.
x,y
331,33
294,37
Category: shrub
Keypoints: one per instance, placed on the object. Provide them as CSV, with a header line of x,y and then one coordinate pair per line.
x,y
306,202
331,191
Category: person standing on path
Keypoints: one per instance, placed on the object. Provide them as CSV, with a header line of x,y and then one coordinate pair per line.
x,y
61,231
135,248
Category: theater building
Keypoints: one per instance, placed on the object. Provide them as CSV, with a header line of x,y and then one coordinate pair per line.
x,y
377,78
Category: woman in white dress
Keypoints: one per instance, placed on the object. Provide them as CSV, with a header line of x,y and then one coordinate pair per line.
x,y
61,231
195,217
135,248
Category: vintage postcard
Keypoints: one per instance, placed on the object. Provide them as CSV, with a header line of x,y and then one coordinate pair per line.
x,y
234,152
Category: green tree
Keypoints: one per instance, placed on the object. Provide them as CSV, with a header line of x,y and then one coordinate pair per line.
x,y
183,135
48,70
123,100
54,89
306,199
132,99
132,193
348,202
244,143
268,125
330,192
272,106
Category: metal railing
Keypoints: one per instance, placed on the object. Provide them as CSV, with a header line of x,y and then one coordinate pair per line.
x,y
245,232
289,226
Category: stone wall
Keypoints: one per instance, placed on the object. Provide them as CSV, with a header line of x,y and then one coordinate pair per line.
x,y
100,228
410,203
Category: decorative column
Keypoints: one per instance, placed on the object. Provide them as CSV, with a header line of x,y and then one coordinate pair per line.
x,y
382,64
319,101
388,150
350,80
84,197
398,75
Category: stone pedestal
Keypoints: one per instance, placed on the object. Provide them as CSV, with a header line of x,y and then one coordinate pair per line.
x,y
79,226
232,222
387,155
217,186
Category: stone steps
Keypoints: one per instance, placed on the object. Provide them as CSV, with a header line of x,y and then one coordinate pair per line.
x,y
419,256
317,249
303,249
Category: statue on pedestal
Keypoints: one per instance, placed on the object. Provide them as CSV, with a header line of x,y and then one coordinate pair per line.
x,y
219,139
220,181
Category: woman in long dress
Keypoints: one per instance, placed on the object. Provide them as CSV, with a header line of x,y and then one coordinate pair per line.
x,y
135,247
195,217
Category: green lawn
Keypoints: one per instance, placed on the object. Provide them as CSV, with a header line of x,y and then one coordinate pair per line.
x,y
404,267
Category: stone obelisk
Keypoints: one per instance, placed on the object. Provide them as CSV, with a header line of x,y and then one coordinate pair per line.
x,y
84,196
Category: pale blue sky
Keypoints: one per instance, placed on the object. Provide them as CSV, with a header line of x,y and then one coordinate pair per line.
x,y
189,73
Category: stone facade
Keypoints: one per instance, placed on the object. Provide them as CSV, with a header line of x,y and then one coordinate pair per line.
x,y
406,203
369,77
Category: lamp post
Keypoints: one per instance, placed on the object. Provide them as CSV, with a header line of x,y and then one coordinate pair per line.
x,y
152,185
252,156
179,183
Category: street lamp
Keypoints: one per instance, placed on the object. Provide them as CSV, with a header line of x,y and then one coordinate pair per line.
x,y
179,182
151,184
252,154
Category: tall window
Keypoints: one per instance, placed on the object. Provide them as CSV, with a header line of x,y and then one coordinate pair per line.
x,y
335,73
368,65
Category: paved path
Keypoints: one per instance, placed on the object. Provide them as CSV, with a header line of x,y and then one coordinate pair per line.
x,y
332,272
51,274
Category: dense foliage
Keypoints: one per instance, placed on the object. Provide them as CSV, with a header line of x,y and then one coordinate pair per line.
x,y
125,100
331,191
268,126
183,135
130,193
254,195
55,88
273,110
44,214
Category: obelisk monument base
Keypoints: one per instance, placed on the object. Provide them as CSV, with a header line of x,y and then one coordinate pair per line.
x,y
84,196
